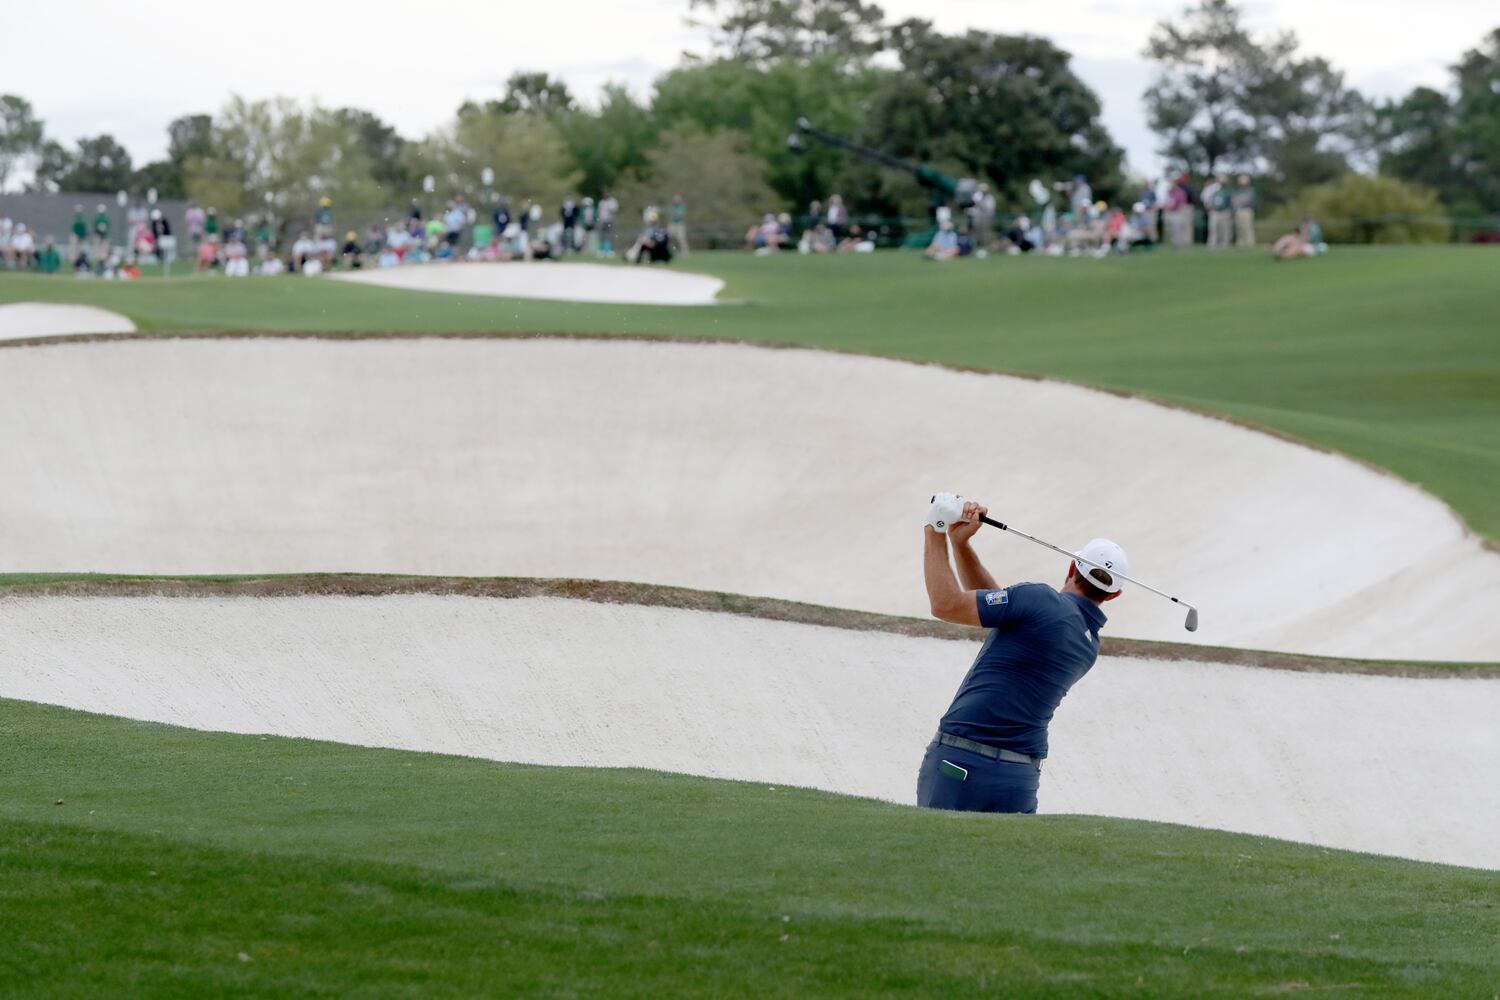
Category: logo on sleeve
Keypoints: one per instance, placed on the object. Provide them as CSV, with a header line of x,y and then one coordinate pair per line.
x,y
994,597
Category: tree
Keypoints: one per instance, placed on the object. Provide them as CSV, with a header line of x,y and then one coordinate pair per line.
x,y
526,153
763,31
534,93
382,145
1006,108
187,136
606,144
99,164
1361,209
1224,100
1206,60
764,103
20,135
279,157
1450,143
722,183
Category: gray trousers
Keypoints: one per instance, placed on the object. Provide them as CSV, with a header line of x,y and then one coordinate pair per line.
x,y
951,778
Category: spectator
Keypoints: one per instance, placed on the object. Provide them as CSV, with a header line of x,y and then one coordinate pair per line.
x,y
982,216
654,245
303,250
858,241
161,233
49,261
1149,204
1081,199
568,215
818,239
1305,241
136,217
501,216
1216,201
236,263
677,224
22,247
1179,213
415,215
211,223
193,219
838,216
766,237
80,233
589,218
208,254
609,208
1243,202
944,245
7,230
353,253
1023,236
265,233
101,227
454,220
323,219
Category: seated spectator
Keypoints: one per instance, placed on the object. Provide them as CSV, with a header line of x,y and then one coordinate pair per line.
x,y
766,237
654,245
236,259
208,253
48,260
353,253
944,245
858,241
22,247
818,239
303,250
271,266
1305,241
1022,236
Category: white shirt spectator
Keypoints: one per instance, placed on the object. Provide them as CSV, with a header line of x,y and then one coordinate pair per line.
x,y
22,241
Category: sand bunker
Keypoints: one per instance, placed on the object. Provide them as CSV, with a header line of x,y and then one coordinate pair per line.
x,y
646,286
1339,760
45,319
791,474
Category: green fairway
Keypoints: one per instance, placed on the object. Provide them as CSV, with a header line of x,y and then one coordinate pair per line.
x,y
1386,354
141,858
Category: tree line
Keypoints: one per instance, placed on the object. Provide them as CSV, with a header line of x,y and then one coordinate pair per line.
x,y
1001,108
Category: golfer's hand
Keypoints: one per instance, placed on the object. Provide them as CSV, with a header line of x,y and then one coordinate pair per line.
x,y
963,529
945,512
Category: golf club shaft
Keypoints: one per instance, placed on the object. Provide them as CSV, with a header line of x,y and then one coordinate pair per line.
x,y
1074,556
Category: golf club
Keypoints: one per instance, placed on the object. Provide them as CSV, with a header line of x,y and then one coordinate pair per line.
x,y
1192,613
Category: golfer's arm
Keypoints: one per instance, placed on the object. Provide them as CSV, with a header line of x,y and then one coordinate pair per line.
x,y
971,572
949,601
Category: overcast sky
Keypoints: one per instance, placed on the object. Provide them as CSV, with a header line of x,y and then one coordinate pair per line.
x,y
92,66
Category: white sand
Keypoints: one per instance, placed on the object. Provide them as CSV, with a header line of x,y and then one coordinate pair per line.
x,y
791,474
1395,766
44,319
567,282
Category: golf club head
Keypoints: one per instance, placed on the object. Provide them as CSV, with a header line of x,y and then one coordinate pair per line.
x,y
1192,620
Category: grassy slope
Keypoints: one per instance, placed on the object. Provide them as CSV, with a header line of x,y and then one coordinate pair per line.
x,y
1387,354
337,869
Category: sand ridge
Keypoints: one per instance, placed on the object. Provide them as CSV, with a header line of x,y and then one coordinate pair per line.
x,y
559,280
23,320
791,474
1331,759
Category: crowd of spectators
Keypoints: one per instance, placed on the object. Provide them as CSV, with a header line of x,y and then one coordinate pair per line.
x,y
256,244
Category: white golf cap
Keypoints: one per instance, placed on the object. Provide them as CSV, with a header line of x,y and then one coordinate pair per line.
x,y
1099,561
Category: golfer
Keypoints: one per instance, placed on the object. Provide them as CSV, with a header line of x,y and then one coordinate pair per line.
x,y
987,754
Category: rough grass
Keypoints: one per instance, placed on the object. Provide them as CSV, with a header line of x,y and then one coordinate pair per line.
x,y
1386,354
193,864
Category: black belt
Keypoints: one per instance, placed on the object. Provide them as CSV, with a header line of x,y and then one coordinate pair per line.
x,y
985,750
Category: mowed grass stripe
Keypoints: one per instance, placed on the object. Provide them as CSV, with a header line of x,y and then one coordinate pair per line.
x,y
340,868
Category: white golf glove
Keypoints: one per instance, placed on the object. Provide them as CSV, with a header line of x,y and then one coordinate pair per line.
x,y
946,509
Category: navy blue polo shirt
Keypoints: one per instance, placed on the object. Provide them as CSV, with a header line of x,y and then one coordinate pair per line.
x,y
1041,642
